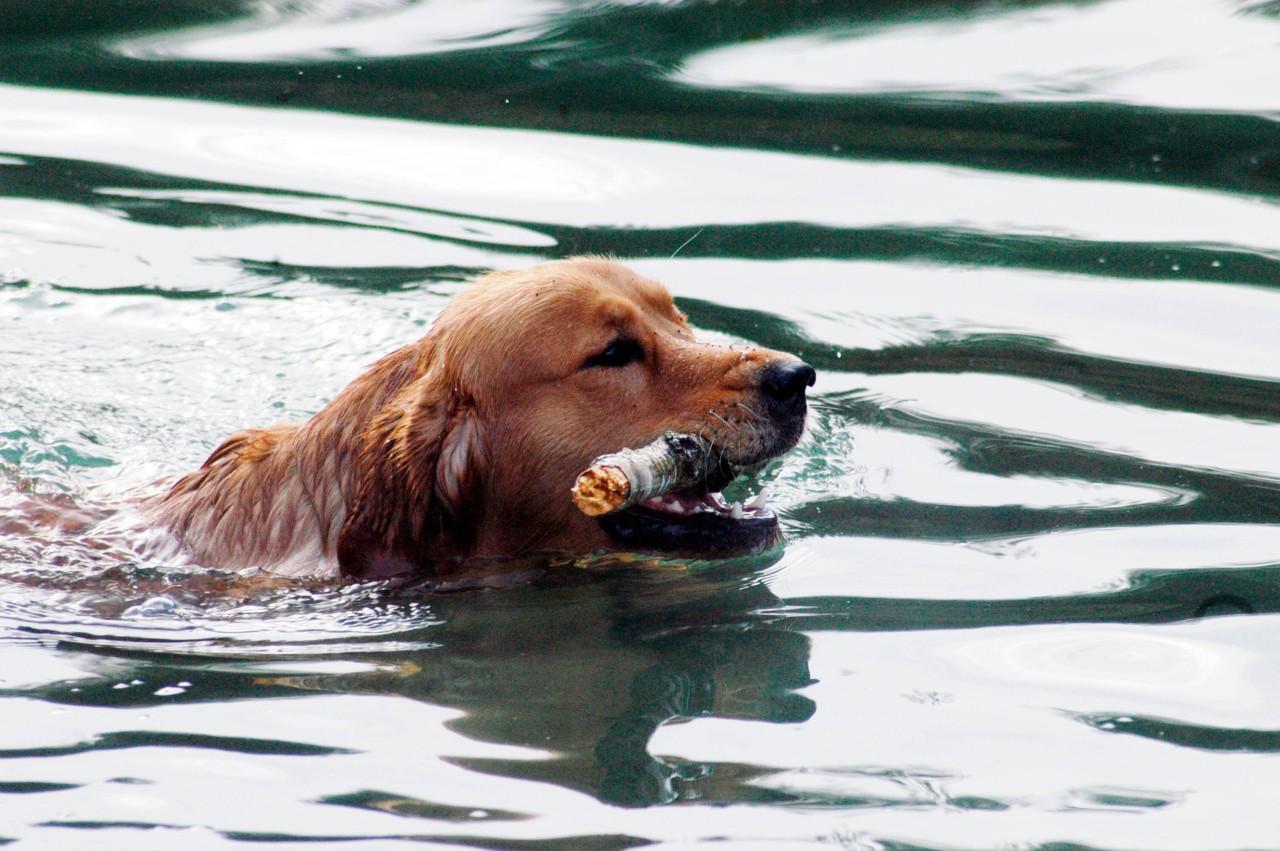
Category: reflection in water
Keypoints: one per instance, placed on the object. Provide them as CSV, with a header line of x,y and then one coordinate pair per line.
x,y
1045,53
606,69
584,181
1183,734
585,665
581,668
1110,660
325,30
597,666
383,216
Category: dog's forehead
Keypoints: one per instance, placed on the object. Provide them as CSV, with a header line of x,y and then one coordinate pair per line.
x,y
622,296
625,303
580,293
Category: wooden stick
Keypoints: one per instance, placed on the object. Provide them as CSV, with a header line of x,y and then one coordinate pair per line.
x,y
622,479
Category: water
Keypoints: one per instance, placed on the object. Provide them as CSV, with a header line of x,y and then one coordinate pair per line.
x,y
1029,594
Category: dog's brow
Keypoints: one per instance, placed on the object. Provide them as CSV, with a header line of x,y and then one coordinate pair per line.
x,y
616,314
658,298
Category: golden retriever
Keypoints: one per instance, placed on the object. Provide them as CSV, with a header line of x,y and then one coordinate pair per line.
x,y
464,445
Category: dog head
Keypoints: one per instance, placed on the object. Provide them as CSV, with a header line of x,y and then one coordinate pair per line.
x,y
523,380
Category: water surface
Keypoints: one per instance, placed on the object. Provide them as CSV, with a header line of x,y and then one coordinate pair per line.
x,y
1029,590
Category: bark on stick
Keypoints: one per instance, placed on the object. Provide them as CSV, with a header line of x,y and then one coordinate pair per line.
x,y
622,479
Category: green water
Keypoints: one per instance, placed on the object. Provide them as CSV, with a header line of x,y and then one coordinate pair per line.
x,y
1029,588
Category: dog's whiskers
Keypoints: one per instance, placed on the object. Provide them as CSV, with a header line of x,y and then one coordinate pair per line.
x,y
686,242
723,420
720,449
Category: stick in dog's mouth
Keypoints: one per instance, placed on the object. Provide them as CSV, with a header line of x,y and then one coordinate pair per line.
x,y
668,476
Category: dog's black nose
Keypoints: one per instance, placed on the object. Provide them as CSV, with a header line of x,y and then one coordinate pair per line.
x,y
784,384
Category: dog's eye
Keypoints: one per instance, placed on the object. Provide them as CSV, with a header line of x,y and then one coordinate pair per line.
x,y
620,352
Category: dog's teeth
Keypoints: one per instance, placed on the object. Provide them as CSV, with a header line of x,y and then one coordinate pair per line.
x,y
736,511
675,506
761,502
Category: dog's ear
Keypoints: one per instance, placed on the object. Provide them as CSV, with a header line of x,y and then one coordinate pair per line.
x,y
417,483
457,470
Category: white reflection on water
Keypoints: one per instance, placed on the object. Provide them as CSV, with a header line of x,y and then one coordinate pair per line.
x,y
1113,660
355,213
1053,564
1003,729
586,181
923,470
93,248
1042,409
351,29
1051,52
382,741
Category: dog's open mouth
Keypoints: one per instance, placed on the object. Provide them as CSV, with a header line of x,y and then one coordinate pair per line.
x,y
697,522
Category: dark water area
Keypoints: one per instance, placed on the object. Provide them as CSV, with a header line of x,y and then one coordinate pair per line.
x,y
1030,577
